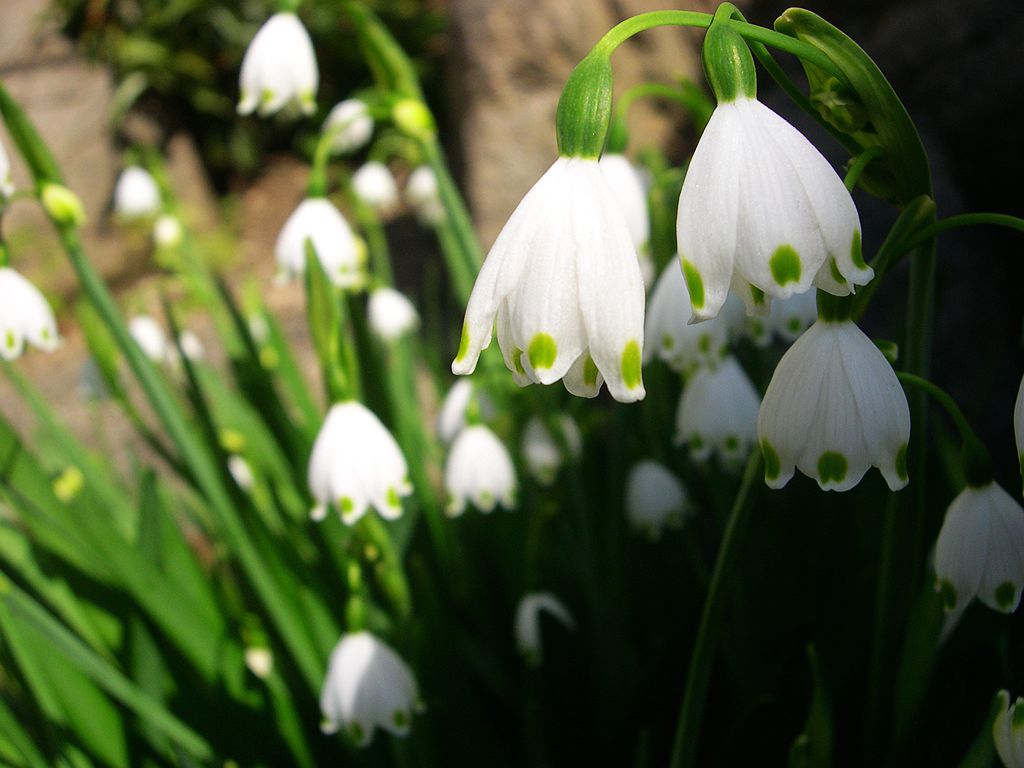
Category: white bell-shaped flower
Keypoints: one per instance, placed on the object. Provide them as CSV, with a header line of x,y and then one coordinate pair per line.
x,y
460,399
350,126
25,316
167,231
833,409
356,463
655,498
543,453
151,338
422,194
136,194
368,686
241,472
6,182
1008,731
787,319
279,68
341,255
669,334
761,207
375,185
718,413
980,550
479,471
564,285
191,346
527,623
1018,426
391,314
628,186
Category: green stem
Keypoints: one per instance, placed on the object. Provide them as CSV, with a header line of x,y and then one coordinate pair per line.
x,y
684,750
862,161
943,399
965,220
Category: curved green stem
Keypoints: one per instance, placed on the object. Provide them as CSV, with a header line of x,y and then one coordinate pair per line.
x,y
688,95
964,220
857,168
942,398
684,750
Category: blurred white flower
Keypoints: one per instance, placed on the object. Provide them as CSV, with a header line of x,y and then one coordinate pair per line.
x,y
136,194
655,498
718,412
761,207
367,686
350,125
191,346
452,416
1018,426
787,319
423,196
543,454
1008,731
241,472
6,182
564,285
391,314
527,622
259,329
376,186
356,463
167,231
834,408
279,68
980,550
341,255
260,662
25,316
479,471
151,338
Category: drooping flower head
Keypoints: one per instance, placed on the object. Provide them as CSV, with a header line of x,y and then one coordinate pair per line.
x,y
655,498
279,68
25,316
527,623
462,398
341,255
367,686
980,550
422,194
150,337
543,453
718,413
167,231
834,408
375,185
136,194
1008,731
350,126
761,210
356,463
391,314
479,471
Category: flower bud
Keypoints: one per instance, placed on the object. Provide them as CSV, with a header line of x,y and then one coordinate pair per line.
x,y
61,204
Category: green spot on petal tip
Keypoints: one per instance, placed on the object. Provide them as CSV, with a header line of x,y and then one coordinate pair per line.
x,y
833,268
542,351
832,467
694,283
631,365
589,371
463,345
517,361
785,265
1005,593
346,504
772,465
901,464
948,593
756,295
856,252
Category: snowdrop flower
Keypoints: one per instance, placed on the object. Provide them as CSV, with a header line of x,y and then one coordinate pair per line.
x,y
367,686
25,316
167,231
1018,426
375,185
422,194
391,314
788,319
150,337
543,453
279,68
832,410
628,186
563,282
460,398
357,463
6,182
669,334
350,126
718,412
480,471
136,193
527,623
241,472
340,253
655,498
980,550
1008,731
191,346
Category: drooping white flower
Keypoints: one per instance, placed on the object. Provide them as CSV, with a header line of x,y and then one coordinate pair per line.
x,y
260,661
356,463
460,398
563,282
375,185
655,498
422,194
980,550
241,472
788,318
350,125
669,334
833,409
136,193
342,257
718,413
479,471
279,68
627,184
1008,731
151,338
167,231
25,316
6,182
544,455
761,207
527,623
391,314
1018,426
367,686
191,346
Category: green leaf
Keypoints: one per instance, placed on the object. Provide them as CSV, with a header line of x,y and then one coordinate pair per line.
x,y
813,747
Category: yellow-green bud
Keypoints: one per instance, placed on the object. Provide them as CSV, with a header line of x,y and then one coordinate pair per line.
x,y
69,484
61,204
414,118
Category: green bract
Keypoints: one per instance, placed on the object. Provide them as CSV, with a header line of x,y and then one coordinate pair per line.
x,y
585,108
